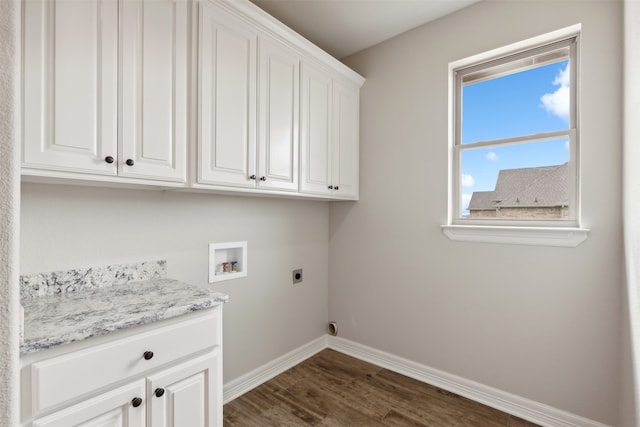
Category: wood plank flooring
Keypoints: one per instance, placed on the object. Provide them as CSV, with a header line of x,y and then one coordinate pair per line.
x,y
333,389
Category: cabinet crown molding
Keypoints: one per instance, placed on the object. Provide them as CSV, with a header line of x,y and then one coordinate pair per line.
x,y
248,11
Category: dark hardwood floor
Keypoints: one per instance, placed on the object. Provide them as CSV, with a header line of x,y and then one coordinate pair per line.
x,y
333,389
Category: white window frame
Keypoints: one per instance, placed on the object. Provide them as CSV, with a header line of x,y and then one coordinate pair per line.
x,y
529,232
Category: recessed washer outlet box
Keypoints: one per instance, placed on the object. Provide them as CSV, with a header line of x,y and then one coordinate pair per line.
x,y
227,261
296,276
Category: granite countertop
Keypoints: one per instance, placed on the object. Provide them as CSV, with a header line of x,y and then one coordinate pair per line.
x,y
65,317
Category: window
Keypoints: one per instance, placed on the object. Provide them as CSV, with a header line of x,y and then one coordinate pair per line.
x,y
515,138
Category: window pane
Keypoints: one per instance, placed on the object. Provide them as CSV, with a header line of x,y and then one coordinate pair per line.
x,y
519,181
523,103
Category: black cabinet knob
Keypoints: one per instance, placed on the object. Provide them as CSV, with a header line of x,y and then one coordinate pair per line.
x,y
335,188
109,159
130,162
263,178
331,187
159,392
136,401
252,177
148,355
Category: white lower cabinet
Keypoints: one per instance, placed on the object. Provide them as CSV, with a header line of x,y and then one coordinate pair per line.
x,y
112,409
178,396
169,375
186,395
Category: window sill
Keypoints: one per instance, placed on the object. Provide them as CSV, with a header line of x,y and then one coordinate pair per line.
x,y
532,236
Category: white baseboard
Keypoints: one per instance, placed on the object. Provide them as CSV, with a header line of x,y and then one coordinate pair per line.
x,y
515,405
264,373
527,409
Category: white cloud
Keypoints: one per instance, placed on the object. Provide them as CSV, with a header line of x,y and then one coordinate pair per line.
x,y
492,156
564,77
557,103
468,181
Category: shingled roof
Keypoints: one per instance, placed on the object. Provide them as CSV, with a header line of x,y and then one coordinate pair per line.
x,y
545,186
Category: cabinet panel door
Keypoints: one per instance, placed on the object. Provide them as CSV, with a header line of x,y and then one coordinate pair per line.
x,y
190,396
279,83
315,147
111,409
227,91
70,85
154,46
345,141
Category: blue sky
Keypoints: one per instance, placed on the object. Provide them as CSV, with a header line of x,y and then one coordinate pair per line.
x,y
528,102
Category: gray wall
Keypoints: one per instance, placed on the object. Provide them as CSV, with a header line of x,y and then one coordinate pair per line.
x,y
67,226
539,322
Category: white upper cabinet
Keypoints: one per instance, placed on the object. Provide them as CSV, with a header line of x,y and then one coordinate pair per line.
x,y
345,144
330,128
106,88
227,99
316,132
154,89
279,81
70,85
121,91
269,118
248,105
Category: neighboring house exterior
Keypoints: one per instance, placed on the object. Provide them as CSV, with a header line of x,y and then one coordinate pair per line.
x,y
528,193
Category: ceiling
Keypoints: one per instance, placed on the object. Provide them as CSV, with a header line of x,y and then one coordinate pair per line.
x,y
343,27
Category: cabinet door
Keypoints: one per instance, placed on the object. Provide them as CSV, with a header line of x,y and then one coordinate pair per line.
x,y
70,85
279,71
315,123
154,45
227,103
344,151
112,409
189,394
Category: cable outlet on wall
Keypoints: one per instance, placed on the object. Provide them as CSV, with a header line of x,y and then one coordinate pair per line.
x,y
297,276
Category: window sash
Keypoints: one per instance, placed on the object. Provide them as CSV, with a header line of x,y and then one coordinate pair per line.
x,y
513,63
572,183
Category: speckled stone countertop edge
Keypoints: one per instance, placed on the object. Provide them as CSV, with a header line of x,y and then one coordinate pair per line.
x,y
59,319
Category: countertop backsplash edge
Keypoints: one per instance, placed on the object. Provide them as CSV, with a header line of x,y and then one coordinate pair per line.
x,y
63,281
